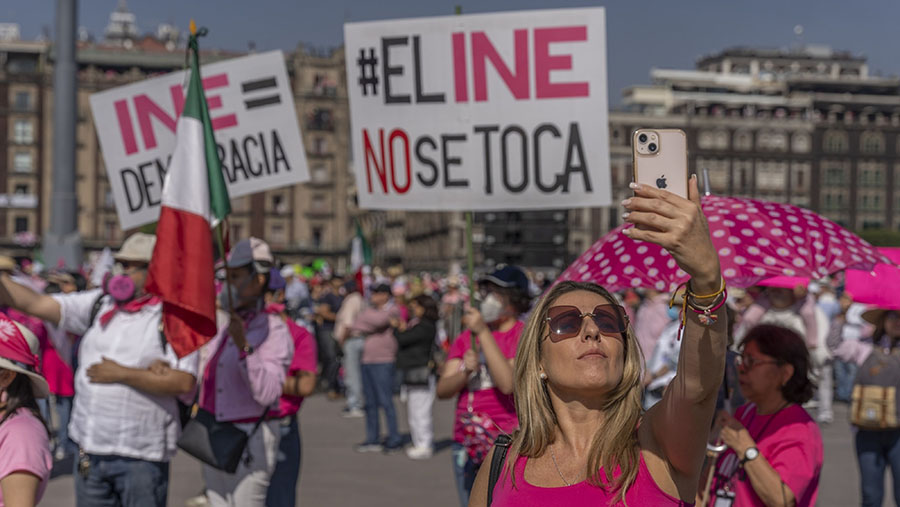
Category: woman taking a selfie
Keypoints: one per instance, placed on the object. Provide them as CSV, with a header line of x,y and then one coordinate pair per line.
x,y
583,439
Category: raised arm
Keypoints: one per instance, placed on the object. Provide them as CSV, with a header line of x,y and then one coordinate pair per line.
x,y
28,301
679,424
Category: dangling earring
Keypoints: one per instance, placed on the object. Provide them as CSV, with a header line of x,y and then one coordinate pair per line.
x,y
543,376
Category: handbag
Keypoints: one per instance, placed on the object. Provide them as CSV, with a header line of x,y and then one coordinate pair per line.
x,y
479,433
417,375
218,444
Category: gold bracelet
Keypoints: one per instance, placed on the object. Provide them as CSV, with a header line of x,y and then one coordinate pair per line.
x,y
689,292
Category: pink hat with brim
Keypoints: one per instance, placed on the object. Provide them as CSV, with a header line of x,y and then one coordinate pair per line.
x,y
784,282
20,352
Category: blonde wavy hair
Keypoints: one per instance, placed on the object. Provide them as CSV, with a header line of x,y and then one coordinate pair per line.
x,y
616,444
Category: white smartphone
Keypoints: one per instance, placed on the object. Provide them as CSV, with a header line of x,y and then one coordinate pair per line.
x,y
660,159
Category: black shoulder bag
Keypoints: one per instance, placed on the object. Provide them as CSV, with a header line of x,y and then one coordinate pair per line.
x,y
218,444
501,447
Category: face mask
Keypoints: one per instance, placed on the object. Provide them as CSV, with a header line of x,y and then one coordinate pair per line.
x,y
119,285
674,312
235,294
491,308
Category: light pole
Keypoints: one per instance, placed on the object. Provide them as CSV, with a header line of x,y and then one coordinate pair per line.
x,y
62,241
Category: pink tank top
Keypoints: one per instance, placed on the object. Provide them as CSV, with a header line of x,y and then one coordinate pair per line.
x,y
643,492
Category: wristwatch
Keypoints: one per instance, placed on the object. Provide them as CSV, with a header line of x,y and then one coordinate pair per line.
x,y
750,454
246,350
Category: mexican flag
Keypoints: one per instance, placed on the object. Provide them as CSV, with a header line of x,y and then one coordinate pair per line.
x,y
360,251
360,256
194,199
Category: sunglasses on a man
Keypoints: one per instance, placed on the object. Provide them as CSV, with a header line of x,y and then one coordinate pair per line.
x,y
566,321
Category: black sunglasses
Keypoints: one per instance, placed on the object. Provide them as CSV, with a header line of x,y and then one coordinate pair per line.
x,y
566,321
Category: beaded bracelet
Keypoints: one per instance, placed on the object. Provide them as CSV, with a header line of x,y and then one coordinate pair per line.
x,y
705,313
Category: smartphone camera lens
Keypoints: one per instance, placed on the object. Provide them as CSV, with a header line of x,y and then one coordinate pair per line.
x,y
642,138
651,147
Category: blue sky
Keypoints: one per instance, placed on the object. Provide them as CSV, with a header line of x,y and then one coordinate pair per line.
x,y
640,34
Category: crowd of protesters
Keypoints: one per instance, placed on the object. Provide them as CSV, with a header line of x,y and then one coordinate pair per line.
x,y
86,374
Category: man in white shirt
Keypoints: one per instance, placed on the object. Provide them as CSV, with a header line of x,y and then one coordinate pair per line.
x,y
125,418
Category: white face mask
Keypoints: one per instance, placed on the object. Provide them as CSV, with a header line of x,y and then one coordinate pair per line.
x,y
491,308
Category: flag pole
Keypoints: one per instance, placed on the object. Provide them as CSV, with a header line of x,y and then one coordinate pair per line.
x,y
220,240
470,249
220,227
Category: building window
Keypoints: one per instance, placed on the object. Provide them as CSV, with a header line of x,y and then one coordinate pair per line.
x,y
23,132
872,224
713,140
317,237
320,145
278,204
318,203
22,101
319,174
774,141
21,189
320,119
835,176
871,143
21,224
278,236
22,162
835,142
800,143
237,232
109,230
743,140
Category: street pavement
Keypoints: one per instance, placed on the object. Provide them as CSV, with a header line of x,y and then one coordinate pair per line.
x,y
334,475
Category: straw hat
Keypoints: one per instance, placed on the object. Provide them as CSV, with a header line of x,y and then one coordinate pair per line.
x,y
137,248
7,263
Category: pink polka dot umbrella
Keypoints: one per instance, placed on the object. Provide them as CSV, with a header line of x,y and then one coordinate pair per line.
x,y
755,240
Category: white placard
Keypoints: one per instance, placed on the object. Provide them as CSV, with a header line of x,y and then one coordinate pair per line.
x,y
480,112
251,105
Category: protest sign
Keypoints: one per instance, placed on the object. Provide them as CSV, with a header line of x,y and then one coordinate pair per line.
x,y
480,112
251,104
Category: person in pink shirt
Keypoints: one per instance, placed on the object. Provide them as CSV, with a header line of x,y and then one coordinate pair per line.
x,y
377,366
774,448
482,377
583,438
59,377
25,460
245,373
301,382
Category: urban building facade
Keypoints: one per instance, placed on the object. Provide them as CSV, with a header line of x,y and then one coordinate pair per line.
x,y
809,126
302,222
